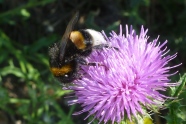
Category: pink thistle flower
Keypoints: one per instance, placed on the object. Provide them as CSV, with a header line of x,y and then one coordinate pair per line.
x,y
126,82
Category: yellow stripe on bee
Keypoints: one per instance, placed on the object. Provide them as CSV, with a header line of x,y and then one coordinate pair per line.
x,y
77,38
61,71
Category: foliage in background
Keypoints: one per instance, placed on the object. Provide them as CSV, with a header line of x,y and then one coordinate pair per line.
x,y
28,92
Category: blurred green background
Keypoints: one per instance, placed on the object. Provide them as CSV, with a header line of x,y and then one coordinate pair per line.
x,y
28,92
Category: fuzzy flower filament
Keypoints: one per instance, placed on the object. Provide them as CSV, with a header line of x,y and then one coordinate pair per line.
x,y
126,80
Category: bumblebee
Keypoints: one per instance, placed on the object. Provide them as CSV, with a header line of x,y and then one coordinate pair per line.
x,y
68,54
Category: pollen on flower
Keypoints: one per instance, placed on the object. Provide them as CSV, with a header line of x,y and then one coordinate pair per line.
x,y
130,80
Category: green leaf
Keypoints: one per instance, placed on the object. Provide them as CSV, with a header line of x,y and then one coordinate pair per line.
x,y
179,89
25,13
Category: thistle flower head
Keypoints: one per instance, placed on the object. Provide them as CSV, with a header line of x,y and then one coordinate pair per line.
x,y
126,80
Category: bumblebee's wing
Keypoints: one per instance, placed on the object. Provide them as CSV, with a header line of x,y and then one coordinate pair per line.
x,y
65,37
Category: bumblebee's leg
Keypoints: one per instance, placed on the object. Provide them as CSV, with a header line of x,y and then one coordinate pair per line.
x,y
84,62
80,60
100,46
